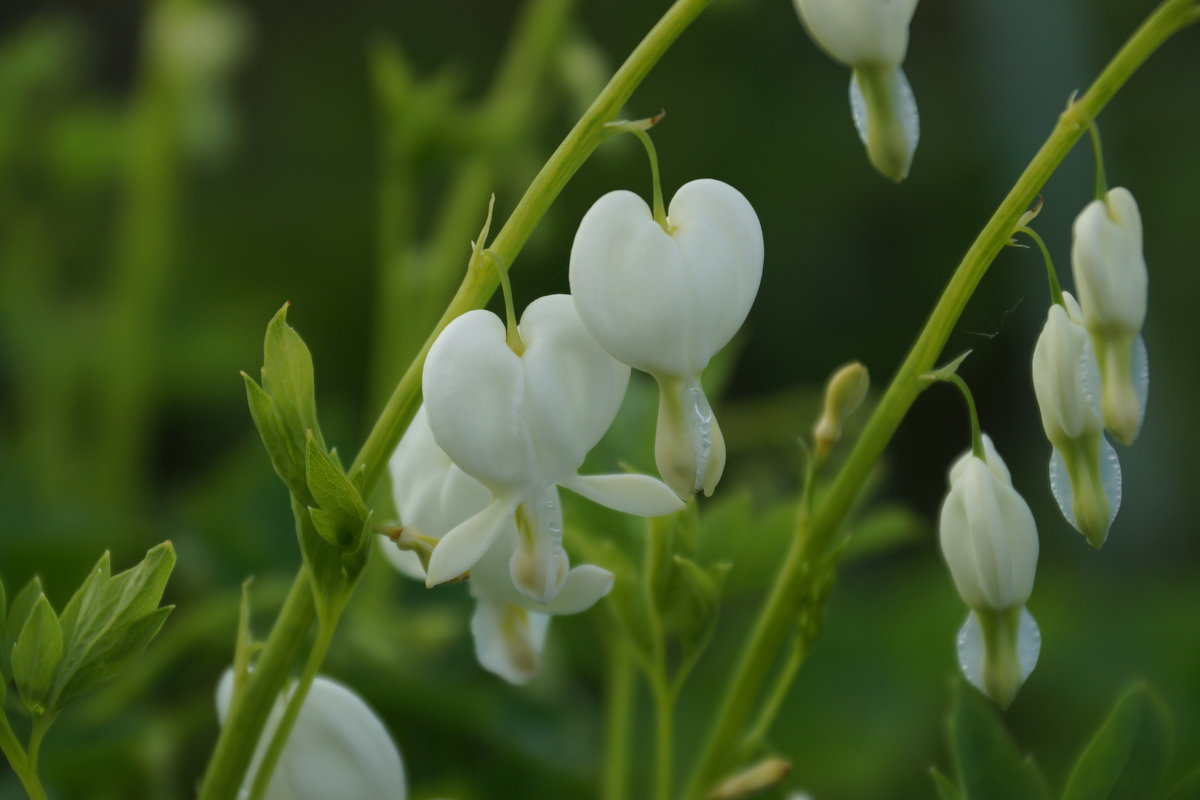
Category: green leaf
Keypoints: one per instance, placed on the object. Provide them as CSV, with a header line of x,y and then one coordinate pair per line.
x,y
288,376
1128,755
946,790
102,608
18,612
283,448
882,530
36,656
1187,789
696,603
341,517
986,758
112,652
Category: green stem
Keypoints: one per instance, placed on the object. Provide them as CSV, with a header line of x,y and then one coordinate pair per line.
x,y
1056,294
976,432
813,537
664,719
248,712
775,699
478,285
618,720
660,213
1098,154
22,766
512,332
299,693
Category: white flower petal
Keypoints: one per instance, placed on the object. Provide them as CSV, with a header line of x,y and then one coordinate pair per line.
x,y
632,494
971,651
459,549
858,32
539,564
508,639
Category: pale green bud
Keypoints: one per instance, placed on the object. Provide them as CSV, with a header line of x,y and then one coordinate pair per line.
x,y
844,393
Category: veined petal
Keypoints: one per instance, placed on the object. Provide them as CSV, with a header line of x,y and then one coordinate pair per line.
x,y
508,639
632,494
474,388
573,387
459,549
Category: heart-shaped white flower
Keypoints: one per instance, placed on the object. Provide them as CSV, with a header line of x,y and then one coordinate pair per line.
x,y
337,748
433,496
522,424
665,300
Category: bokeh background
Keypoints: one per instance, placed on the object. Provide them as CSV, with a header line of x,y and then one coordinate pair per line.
x,y
171,173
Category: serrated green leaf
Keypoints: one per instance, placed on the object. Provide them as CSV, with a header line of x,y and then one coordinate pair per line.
x,y
341,517
1187,789
105,604
36,656
985,756
946,790
288,375
112,652
282,445
1128,755
18,612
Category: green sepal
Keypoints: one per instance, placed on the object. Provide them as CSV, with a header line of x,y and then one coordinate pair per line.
x,y
288,377
18,612
946,790
669,536
697,602
341,517
280,444
36,656
110,620
987,761
1129,753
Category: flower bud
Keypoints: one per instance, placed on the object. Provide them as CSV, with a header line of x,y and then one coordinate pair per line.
x,y
871,37
665,299
337,747
989,540
1084,472
1110,274
844,393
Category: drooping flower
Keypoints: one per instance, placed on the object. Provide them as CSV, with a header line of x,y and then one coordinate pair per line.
x,y
338,748
433,496
665,298
989,540
521,425
871,37
1085,475
1110,274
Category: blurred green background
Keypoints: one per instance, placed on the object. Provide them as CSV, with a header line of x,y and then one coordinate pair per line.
x,y
170,175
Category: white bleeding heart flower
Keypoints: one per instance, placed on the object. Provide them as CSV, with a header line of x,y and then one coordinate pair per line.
x,y
521,425
1085,475
337,748
989,540
434,496
1110,274
665,298
871,37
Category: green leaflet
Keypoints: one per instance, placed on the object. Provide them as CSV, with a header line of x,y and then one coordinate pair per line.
x,y
36,656
18,612
1128,755
986,759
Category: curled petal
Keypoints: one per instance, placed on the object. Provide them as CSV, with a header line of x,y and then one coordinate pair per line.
x,y
999,670
1085,478
462,547
539,565
508,639
632,494
688,446
885,115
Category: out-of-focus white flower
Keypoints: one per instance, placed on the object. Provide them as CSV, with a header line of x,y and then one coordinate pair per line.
x,y
1084,472
989,540
338,748
521,425
664,298
871,37
433,496
1110,275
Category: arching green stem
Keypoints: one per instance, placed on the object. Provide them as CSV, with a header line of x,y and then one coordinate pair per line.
x,y
1056,294
976,432
1098,154
513,335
